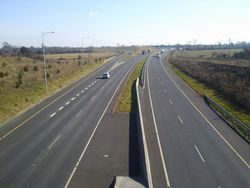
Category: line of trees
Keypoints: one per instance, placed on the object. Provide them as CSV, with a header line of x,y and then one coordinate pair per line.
x,y
233,82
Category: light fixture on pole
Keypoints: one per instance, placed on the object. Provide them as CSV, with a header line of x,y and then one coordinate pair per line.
x,y
44,58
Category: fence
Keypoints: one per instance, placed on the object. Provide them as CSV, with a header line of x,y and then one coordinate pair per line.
x,y
233,122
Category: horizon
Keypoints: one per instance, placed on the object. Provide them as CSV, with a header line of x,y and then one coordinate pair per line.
x,y
112,23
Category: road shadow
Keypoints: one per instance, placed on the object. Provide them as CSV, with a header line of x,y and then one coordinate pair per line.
x,y
134,156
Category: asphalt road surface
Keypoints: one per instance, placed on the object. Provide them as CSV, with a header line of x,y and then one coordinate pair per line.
x,y
44,146
198,149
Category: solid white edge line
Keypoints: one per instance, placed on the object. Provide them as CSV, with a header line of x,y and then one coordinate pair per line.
x,y
157,134
147,160
180,119
86,146
196,148
145,69
54,141
211,125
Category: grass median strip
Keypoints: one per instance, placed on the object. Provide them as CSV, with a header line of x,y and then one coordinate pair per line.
x,y
202,89
126,101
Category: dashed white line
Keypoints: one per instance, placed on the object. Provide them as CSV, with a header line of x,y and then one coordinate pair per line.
x,y
50,146
60,108
82,91
196,148
180,119
86,88
91,136
52,114
211,125
165,91
67,103
170,101
78,94
73,98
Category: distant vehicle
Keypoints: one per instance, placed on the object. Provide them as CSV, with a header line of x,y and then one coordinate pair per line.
x,y
106,75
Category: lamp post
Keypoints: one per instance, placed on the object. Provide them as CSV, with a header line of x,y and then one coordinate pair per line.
x,y
83,47
44,59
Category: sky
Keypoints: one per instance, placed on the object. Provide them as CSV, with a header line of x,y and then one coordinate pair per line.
x,y
125,22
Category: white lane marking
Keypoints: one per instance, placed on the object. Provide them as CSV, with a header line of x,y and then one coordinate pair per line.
x,y
52,114
60,108
170,101
73,98
78,114
161,83
97,125
86,88
89,85
93,83
26,120
165,91
67,103
82,91
196,148
50,146
211,125
78,94
180,119
157,134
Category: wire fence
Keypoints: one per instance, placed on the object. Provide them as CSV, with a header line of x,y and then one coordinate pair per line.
x,y
233,122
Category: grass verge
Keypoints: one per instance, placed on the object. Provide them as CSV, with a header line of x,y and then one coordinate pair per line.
x,y
126,101
202,89
18,100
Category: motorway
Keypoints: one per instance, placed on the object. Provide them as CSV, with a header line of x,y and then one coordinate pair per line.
x,y
197,149
44,147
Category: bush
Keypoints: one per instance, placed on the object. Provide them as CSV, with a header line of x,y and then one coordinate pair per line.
x,y
1,74
79,57
19,79
25,68
49,66
79,63
35,68
19,58
230,81
6,74
57,71
4,64
34,62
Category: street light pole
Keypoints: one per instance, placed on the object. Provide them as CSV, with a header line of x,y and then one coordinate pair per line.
x,y
44,59
83,47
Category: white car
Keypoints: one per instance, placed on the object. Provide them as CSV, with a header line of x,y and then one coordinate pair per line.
x,y
106,75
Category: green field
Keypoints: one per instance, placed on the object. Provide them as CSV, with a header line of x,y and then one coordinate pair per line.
x,y
205,53
28,75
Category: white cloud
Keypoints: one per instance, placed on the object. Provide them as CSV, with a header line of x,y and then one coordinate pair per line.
x,y
92,13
